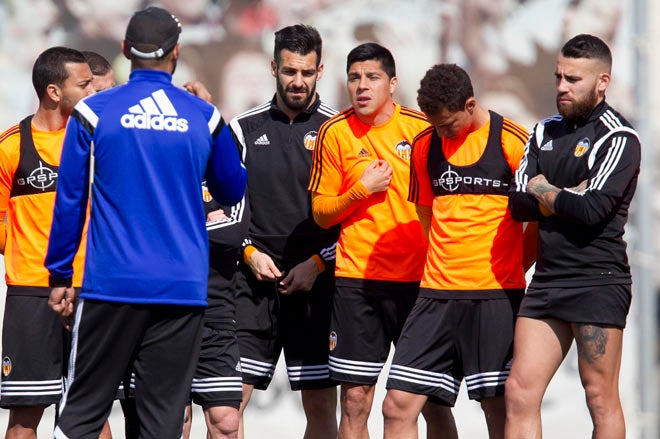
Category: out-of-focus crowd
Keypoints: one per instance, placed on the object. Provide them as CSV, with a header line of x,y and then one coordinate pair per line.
x,y
505,45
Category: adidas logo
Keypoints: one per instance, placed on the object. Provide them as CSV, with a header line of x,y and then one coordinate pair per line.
x,y
263,140
363,153
155,112
547,146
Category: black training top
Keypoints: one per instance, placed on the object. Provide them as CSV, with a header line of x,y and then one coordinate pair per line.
x,y
277,153
582,245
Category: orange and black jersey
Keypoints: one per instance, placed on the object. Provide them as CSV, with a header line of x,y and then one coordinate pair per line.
x,y
582,244
475,246
29,160
381,238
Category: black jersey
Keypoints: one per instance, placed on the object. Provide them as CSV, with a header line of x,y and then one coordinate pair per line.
x,y
277,153
582,245
225,240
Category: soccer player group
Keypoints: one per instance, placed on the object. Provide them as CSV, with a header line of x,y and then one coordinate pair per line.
x,y
352,231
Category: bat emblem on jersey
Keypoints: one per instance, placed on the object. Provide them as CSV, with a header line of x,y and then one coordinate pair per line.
x,y
6,366
333,340
582,147
310,140
403,150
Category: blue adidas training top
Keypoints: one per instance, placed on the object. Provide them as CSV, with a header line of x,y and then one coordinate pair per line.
x,y
150,144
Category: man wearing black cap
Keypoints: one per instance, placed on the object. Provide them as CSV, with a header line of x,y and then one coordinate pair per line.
x,y
150,145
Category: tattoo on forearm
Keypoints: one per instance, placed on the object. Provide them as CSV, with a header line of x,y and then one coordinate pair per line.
x,y
543,188
591,342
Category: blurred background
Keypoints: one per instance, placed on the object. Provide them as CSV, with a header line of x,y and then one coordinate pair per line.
x,y
509,47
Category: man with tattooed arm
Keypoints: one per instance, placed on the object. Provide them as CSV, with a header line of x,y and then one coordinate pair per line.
x,y
577,178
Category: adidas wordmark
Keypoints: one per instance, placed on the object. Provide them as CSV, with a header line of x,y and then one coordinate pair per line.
x,y
155,112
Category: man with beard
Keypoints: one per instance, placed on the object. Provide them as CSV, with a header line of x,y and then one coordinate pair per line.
x,y
577,178
285,283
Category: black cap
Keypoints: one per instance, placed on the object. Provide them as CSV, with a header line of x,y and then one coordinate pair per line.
x,y
152,33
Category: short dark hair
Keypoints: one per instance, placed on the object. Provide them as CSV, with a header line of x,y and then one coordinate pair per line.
x,y
300,39
444,86
50,67
372,52
587,46
97,63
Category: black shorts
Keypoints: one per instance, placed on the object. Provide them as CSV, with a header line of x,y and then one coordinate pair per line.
x,y
158,340
365,323
126,388
34,351
602,304
217,380
446,340
298,324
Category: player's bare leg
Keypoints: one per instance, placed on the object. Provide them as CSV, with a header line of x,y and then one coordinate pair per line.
x,y
599,363
320,407
247,394
539,347
356,402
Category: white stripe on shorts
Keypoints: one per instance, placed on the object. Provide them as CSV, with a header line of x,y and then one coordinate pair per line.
x,y
218,384
425,378
307,373
258,368
31,388
486,379
351,367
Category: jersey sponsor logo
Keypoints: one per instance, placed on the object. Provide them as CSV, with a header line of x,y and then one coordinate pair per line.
x,y
364,153
333,340
155,112
547,146
450,181
41,178
403,150
310,140
582,147
6,366
262,140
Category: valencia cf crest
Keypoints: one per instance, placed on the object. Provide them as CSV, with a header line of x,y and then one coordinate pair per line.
x,y
6,366
582,147
310,140
333,340
206,195
403,150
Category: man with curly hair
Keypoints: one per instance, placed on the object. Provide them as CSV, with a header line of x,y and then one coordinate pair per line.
x,y
474,278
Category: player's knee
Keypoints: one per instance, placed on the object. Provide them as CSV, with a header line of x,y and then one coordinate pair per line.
x,y
223,423
516,394
601,400
356,402
395,407
391,410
